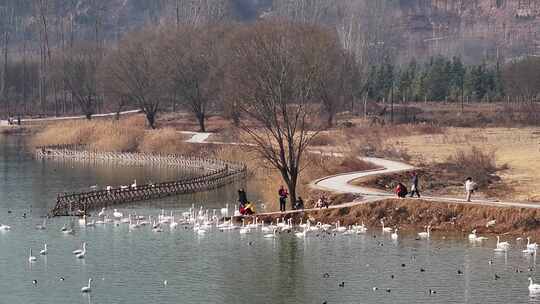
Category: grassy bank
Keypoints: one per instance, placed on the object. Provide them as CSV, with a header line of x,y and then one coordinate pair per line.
x,y
413,215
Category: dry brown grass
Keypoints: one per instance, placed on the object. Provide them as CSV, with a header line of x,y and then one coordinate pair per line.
x,y
165,140
515,147
102,135
124,135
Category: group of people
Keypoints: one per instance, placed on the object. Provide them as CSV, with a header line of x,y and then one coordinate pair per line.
x,y
248,208
401,190
244,206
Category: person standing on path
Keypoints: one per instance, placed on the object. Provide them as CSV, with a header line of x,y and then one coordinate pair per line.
x,y
470,186
242,196
283,194
414,185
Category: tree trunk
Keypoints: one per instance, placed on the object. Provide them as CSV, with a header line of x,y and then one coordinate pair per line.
x,y
151,118
201,119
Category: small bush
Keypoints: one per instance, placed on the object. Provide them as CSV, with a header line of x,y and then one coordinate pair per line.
x,y
476,163
323,139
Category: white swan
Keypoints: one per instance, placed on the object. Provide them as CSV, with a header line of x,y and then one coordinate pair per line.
x,y
244,229
83,253
87,288
225,211
425,234
502,245
134,185
270,235
77,251
117,214
385,229
394,235
532,246
339,228
43,226
472,235
361,229
533,287
45,250
31,258
301,234
5,227
173,224
91,224
102,212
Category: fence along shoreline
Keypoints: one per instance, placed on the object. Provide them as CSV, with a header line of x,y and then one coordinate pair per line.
x,y
218,173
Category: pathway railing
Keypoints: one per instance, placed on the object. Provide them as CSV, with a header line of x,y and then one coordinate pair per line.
x,y
218,174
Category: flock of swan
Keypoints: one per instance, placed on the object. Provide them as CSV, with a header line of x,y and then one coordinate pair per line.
x,y
202,221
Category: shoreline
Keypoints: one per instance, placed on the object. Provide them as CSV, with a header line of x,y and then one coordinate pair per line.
x,y
412,215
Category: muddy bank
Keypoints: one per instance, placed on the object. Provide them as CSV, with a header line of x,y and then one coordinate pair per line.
x,y
413,215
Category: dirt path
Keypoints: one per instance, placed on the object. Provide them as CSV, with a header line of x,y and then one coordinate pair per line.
x,y
341,183
5,122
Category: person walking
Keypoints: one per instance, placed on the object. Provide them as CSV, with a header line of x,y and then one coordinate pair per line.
x,y
414,185
283,194
470,186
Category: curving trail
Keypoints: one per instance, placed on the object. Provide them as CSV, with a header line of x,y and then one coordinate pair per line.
x,y
341,183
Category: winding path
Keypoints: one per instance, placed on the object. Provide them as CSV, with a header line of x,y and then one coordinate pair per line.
x,y
5,122
341,183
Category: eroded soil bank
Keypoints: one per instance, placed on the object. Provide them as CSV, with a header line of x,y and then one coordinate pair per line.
x,y
415,214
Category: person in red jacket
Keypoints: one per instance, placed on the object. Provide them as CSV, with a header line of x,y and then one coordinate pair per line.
x,y
283,194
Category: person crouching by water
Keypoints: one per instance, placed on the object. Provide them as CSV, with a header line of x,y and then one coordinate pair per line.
x,y
242,199
323,202
401,190
299,204
470,187
283,194
249,209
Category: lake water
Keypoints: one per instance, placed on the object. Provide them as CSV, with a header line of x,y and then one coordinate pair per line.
x,y
225,267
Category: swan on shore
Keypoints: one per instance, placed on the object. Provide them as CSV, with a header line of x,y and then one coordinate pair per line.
x,y
88,287
102,212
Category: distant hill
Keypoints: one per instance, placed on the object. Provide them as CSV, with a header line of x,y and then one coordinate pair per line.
x,y
477,30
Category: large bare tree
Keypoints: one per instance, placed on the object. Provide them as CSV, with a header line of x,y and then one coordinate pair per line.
x,y
77,70
277,66
193,58
136,71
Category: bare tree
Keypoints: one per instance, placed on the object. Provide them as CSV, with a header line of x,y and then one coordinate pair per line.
x,y
277,65
136,71
193,58
77,70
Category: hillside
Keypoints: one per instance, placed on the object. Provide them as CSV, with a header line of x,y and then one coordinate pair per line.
x,y
475,29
